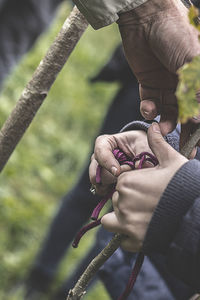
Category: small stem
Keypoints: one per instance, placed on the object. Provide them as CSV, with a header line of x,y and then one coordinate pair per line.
x,y
192,142
79,289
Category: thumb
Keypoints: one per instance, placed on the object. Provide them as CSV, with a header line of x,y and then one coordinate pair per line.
x,y
103,153
162,150
111,223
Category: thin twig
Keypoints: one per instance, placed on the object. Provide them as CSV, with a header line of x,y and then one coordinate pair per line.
x,y
79,289
189,146
37,89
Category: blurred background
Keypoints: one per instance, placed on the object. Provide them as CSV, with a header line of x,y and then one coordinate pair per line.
x,y
52,153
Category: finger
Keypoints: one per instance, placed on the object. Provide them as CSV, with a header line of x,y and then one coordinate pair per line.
x,y
125,168
130,245
163,102
111,223
162,150
168,118
148,109
115,201
103,190
145,165
107,177
104,146
149,102
93,169
104,187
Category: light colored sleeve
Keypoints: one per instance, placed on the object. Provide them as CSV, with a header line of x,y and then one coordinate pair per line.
x,y
100,13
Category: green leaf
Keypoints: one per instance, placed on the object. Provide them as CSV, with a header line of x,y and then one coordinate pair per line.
x,y
194,17
189,84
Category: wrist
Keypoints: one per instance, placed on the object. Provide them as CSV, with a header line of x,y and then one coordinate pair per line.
x,y
177,198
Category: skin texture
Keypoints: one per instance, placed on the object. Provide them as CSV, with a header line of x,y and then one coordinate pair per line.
x,y
158,39
132,208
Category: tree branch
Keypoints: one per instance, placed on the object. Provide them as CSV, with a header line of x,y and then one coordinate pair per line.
x,y
37,89
79,289
189,146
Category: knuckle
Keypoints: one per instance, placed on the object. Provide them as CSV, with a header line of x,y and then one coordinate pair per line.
x,y
122,209
100,139
125,180
104,220
122,179
92,157
115,199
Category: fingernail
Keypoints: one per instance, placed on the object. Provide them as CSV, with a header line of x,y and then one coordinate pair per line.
x,y
156,127
114,171
146,113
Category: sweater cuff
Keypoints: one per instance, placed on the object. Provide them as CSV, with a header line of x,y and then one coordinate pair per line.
x,y
177,198
137,125
172,138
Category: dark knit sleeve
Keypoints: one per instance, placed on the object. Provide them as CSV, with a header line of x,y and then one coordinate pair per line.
x,y
183,255
175,202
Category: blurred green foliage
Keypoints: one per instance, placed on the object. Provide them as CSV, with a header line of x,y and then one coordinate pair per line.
x,y
51,155
189,82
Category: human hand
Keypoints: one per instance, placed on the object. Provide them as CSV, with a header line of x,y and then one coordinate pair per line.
x,y
131,143
158,39
138,192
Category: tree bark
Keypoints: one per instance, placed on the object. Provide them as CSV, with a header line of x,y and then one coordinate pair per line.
x,y
37,89
79,289
194,139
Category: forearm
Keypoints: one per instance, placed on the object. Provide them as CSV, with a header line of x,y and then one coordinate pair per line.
x,y
175,226
183,253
